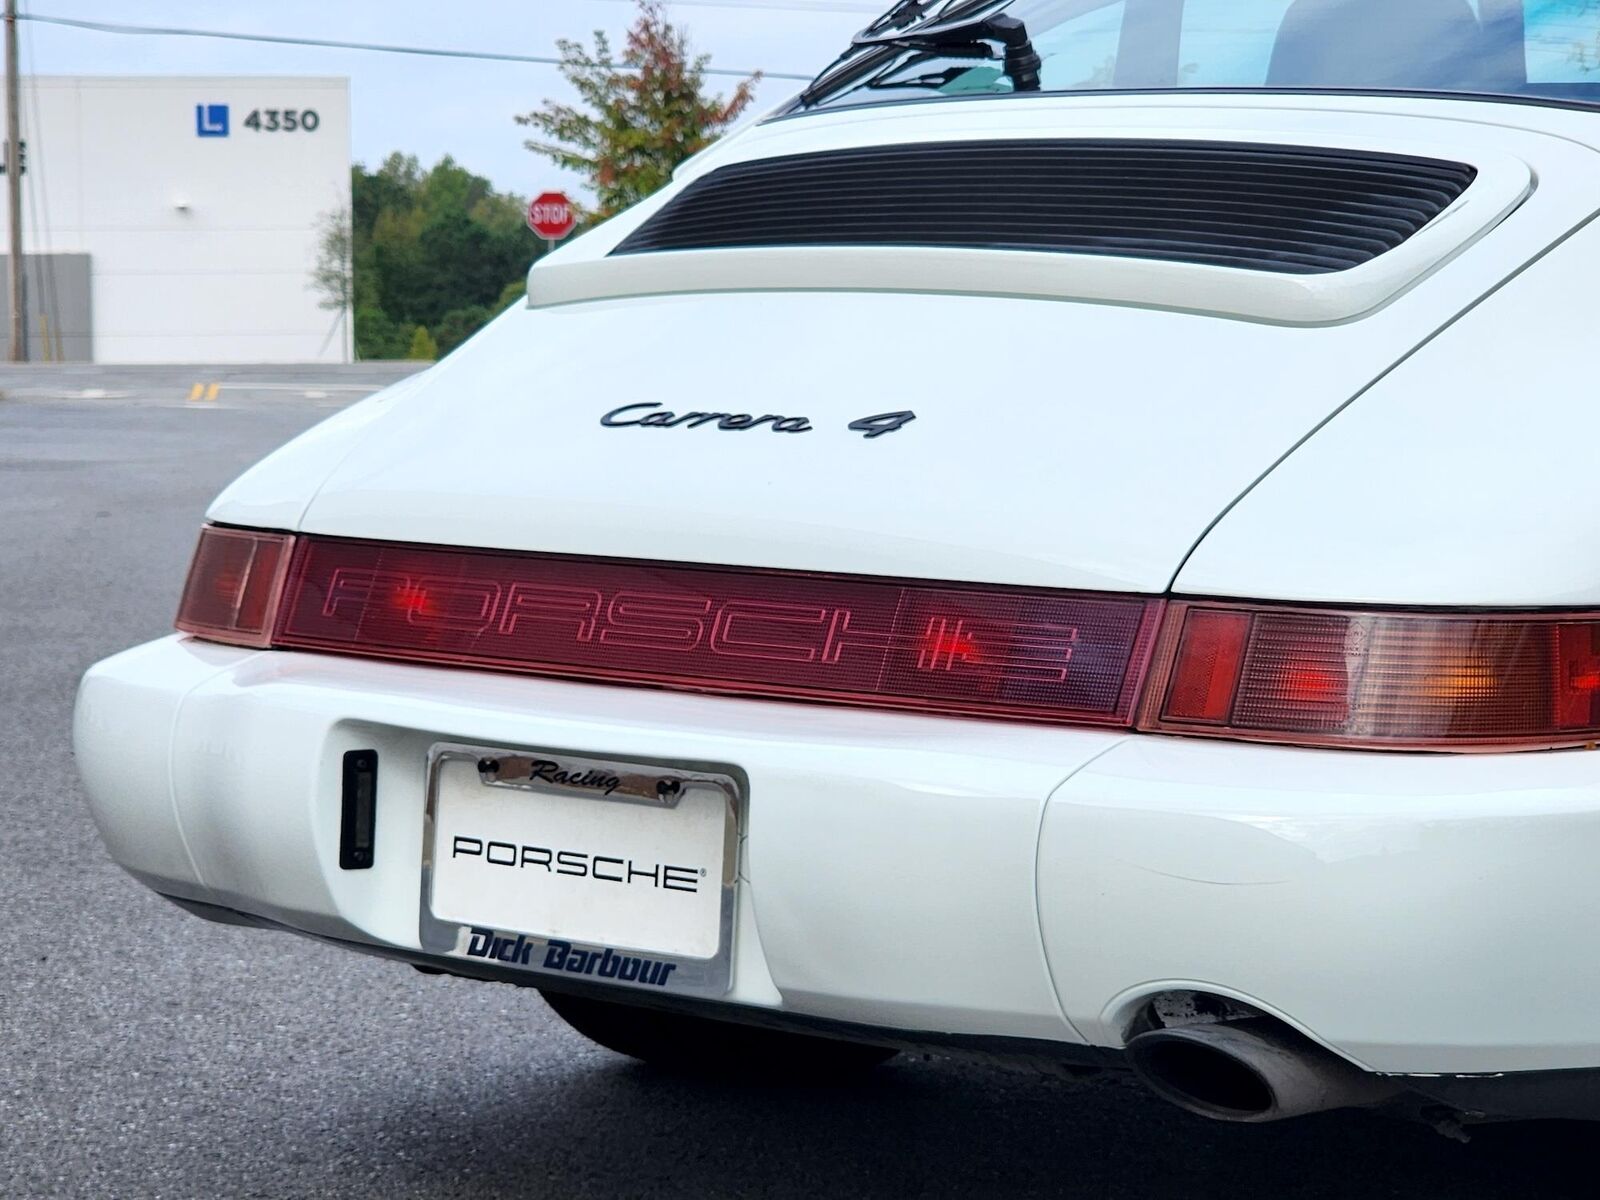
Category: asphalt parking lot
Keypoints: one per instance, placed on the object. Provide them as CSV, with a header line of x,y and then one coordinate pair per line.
x,y
146,1053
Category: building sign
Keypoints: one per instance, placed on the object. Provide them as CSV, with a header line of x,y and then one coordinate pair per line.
x,y
283,120
211,120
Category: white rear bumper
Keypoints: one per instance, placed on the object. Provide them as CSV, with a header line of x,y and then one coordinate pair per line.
x,y
1417,914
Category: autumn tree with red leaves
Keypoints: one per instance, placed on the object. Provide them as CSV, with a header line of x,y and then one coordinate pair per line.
x,y
640,117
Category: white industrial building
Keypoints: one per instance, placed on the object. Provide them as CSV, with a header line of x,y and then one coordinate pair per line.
x,y
178,219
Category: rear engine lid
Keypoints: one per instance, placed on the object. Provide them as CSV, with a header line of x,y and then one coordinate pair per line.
x,y
1059,444
1264,214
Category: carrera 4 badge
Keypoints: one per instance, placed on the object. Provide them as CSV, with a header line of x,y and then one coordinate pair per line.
x,y
646,416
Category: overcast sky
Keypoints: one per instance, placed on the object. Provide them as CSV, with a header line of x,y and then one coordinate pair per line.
x,y
432,107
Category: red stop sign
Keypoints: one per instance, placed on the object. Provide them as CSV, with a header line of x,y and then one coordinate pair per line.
x,y
550,215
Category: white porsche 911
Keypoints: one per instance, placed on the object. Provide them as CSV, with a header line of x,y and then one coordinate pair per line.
x,y
1068,541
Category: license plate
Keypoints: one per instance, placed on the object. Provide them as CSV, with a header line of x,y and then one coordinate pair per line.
x,y
619,872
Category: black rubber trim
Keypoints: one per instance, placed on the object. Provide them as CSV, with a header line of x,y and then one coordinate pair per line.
x,y
1301,210
1571,1095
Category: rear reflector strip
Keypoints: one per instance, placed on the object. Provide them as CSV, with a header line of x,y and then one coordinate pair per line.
x,y
964,649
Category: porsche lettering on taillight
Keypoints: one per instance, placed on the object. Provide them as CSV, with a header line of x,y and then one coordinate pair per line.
x,y
1053,656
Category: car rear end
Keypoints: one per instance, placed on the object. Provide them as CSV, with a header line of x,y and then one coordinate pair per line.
x,y
973,645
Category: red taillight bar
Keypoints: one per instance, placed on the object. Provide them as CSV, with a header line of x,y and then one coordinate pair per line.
x,y
929,647
1277,673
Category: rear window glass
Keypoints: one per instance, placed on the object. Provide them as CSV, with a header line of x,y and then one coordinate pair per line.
x,y
1523,48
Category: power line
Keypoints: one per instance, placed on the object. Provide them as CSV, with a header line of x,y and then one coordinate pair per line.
x,y
330,44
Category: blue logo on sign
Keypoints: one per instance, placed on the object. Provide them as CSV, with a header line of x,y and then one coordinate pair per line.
x,y
211,120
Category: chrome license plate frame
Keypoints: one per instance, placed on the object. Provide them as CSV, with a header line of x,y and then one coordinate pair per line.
x,y
568,783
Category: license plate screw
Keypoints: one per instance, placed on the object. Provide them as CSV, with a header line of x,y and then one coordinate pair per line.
x,y
667,789
488,766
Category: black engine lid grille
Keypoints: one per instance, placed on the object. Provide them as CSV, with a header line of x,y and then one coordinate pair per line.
x,y
1290,209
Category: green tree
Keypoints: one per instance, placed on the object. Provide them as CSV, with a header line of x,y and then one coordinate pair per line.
x,y
379,337
516,293
334,273
430,248
423,348
640,117
458,325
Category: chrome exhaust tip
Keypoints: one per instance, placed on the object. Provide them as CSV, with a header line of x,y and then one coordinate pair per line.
x,y
1250,1071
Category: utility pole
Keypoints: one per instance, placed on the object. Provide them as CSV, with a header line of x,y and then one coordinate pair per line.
x,y
19,305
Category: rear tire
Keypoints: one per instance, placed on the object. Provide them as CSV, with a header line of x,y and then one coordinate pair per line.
x,y
702,1046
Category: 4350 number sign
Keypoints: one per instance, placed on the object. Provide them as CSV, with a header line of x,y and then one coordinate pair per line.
x,y
283,120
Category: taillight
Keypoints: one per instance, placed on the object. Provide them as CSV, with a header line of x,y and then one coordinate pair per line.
x,y
233,587
1260,672
949,648
1393,680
